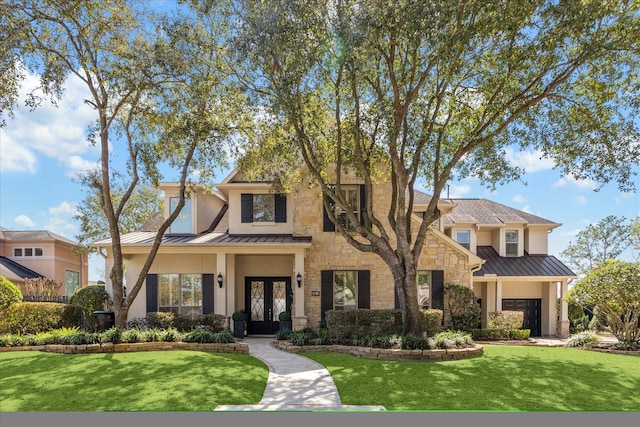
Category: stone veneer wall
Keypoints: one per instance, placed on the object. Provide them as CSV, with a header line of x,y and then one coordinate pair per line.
x,y
330,251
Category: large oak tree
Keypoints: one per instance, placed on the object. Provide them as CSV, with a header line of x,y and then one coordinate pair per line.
x,y
157,86
435,91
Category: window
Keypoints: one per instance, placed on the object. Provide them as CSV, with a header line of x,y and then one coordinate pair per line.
x,y
511,239
263,208
28,251
464,238
423,280
345,290
180,293
38,251
71,281
182,224
17,252
351,194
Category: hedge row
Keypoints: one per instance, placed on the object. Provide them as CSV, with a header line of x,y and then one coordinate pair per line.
x,y
73,336
164,320
347,324
500,334
33,317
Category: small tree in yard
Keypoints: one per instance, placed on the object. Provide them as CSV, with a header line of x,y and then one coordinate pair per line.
x,y
614,289
9,293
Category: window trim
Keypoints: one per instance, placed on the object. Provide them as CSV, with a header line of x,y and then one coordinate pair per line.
x,y
355,297
28,251
507,243
180,307
466,244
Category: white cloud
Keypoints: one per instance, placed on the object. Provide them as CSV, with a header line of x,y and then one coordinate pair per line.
x,y
570,233
518,198
58,132
457,191
24,221
526,208
583,184
61,220
77,164
530,161
581,200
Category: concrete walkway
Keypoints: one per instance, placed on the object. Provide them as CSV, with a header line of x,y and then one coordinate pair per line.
x,y
295,383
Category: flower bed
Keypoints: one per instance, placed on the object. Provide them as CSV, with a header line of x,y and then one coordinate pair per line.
x,y
471,350
132,347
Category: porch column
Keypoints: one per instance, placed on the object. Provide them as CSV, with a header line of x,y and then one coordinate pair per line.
x,y
563,329
219,298
299,318
549,306
230,285
498,306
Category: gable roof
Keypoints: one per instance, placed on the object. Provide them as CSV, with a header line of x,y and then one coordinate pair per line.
x,y
487,212
525,266
12,270
32,235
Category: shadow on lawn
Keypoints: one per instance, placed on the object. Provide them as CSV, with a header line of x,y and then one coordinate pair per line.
x,y
146,381
503,379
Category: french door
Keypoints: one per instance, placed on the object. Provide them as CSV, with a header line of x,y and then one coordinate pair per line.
x,y
265,298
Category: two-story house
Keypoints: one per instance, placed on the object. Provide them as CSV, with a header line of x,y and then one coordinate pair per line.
x,y
244,246
40,253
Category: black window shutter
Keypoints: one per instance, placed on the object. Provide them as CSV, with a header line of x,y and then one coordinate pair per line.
x,y
327,225
363,200
246,207
364,289
281,208
326,292
207,293
437,289
152,293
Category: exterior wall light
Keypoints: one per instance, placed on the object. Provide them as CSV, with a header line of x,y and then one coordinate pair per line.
x,y
299,280
220,280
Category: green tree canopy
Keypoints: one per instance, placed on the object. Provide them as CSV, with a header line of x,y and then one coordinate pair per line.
x,y
614,289
599,242
433,91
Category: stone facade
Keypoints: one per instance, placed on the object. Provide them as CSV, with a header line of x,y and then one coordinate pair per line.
x,y
330,251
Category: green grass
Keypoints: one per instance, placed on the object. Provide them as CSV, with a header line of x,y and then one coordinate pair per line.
x,y
505,378
145,381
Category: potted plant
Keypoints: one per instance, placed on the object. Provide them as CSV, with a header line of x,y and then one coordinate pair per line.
x,y
285,321
239,319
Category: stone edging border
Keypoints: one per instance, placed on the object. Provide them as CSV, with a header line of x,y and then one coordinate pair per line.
x,y
132,347
383,353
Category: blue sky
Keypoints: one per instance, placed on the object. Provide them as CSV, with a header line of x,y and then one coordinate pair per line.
x,y
42,151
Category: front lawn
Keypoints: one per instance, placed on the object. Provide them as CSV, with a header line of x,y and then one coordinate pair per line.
x,y
145,381
505,378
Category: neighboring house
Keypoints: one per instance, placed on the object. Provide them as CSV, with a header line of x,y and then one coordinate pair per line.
x,y
244,246
29,254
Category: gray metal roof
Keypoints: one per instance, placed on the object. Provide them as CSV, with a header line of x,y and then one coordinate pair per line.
x,y
525,266
11,269
213,238
487,212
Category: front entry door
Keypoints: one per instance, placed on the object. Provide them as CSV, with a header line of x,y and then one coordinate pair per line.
x,y
265,298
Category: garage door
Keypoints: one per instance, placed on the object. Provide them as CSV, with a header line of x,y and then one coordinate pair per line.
x,y
532,313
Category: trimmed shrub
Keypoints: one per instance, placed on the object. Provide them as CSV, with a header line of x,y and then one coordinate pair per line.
x,y
152,335
132,335
501,334
582,339
431,321
205,336
506,319
347,324
33,317
160,319
91,298
211,322
171,335
462,308
9,293
113,335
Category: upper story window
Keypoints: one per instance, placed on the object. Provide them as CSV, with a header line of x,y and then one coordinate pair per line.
x,y
182,224
354,196
464,238
263,207
28,252
511,242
